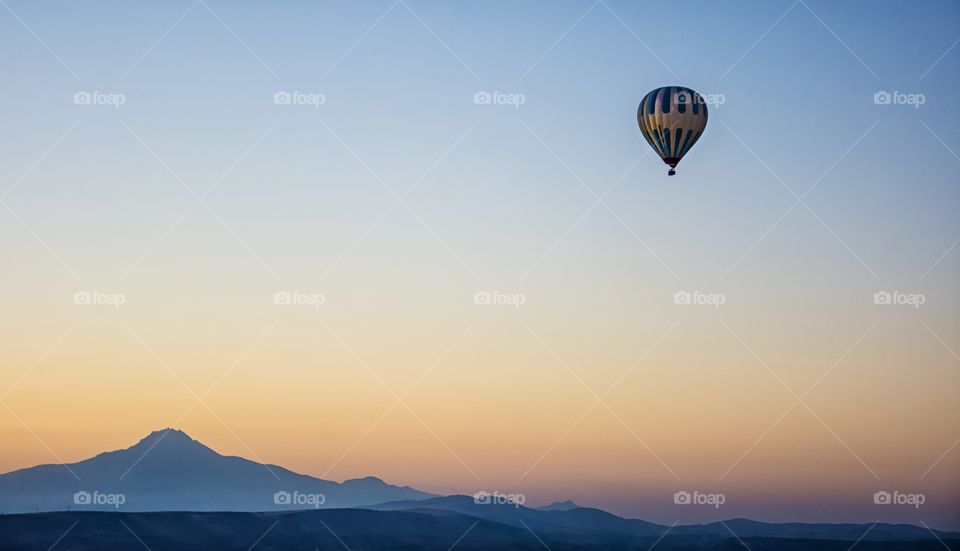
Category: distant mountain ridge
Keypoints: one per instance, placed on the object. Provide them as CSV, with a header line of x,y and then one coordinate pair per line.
x,y
596,525
169,477
169,471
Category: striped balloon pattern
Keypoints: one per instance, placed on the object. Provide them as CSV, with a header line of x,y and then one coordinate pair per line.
x,y
672,119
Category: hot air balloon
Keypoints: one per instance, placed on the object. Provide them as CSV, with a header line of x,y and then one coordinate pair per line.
x,y
672,118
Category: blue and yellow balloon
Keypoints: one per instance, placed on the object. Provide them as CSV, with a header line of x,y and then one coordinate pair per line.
x,y
672,119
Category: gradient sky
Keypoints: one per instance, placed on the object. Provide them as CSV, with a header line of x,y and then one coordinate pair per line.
x,y
498,199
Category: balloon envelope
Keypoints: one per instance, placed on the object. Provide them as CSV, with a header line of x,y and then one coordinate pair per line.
x,y
672,118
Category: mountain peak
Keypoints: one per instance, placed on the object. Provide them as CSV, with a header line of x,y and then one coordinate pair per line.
x,y
168,434
560,506
170,441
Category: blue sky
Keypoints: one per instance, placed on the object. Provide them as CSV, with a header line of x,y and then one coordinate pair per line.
x,y
557,198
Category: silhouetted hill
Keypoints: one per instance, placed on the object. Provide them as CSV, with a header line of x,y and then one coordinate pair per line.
x,y
167,470
358,529
560,506
600,525
847,531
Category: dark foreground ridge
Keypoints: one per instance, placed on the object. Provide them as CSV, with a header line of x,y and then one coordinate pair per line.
x,y
338,529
